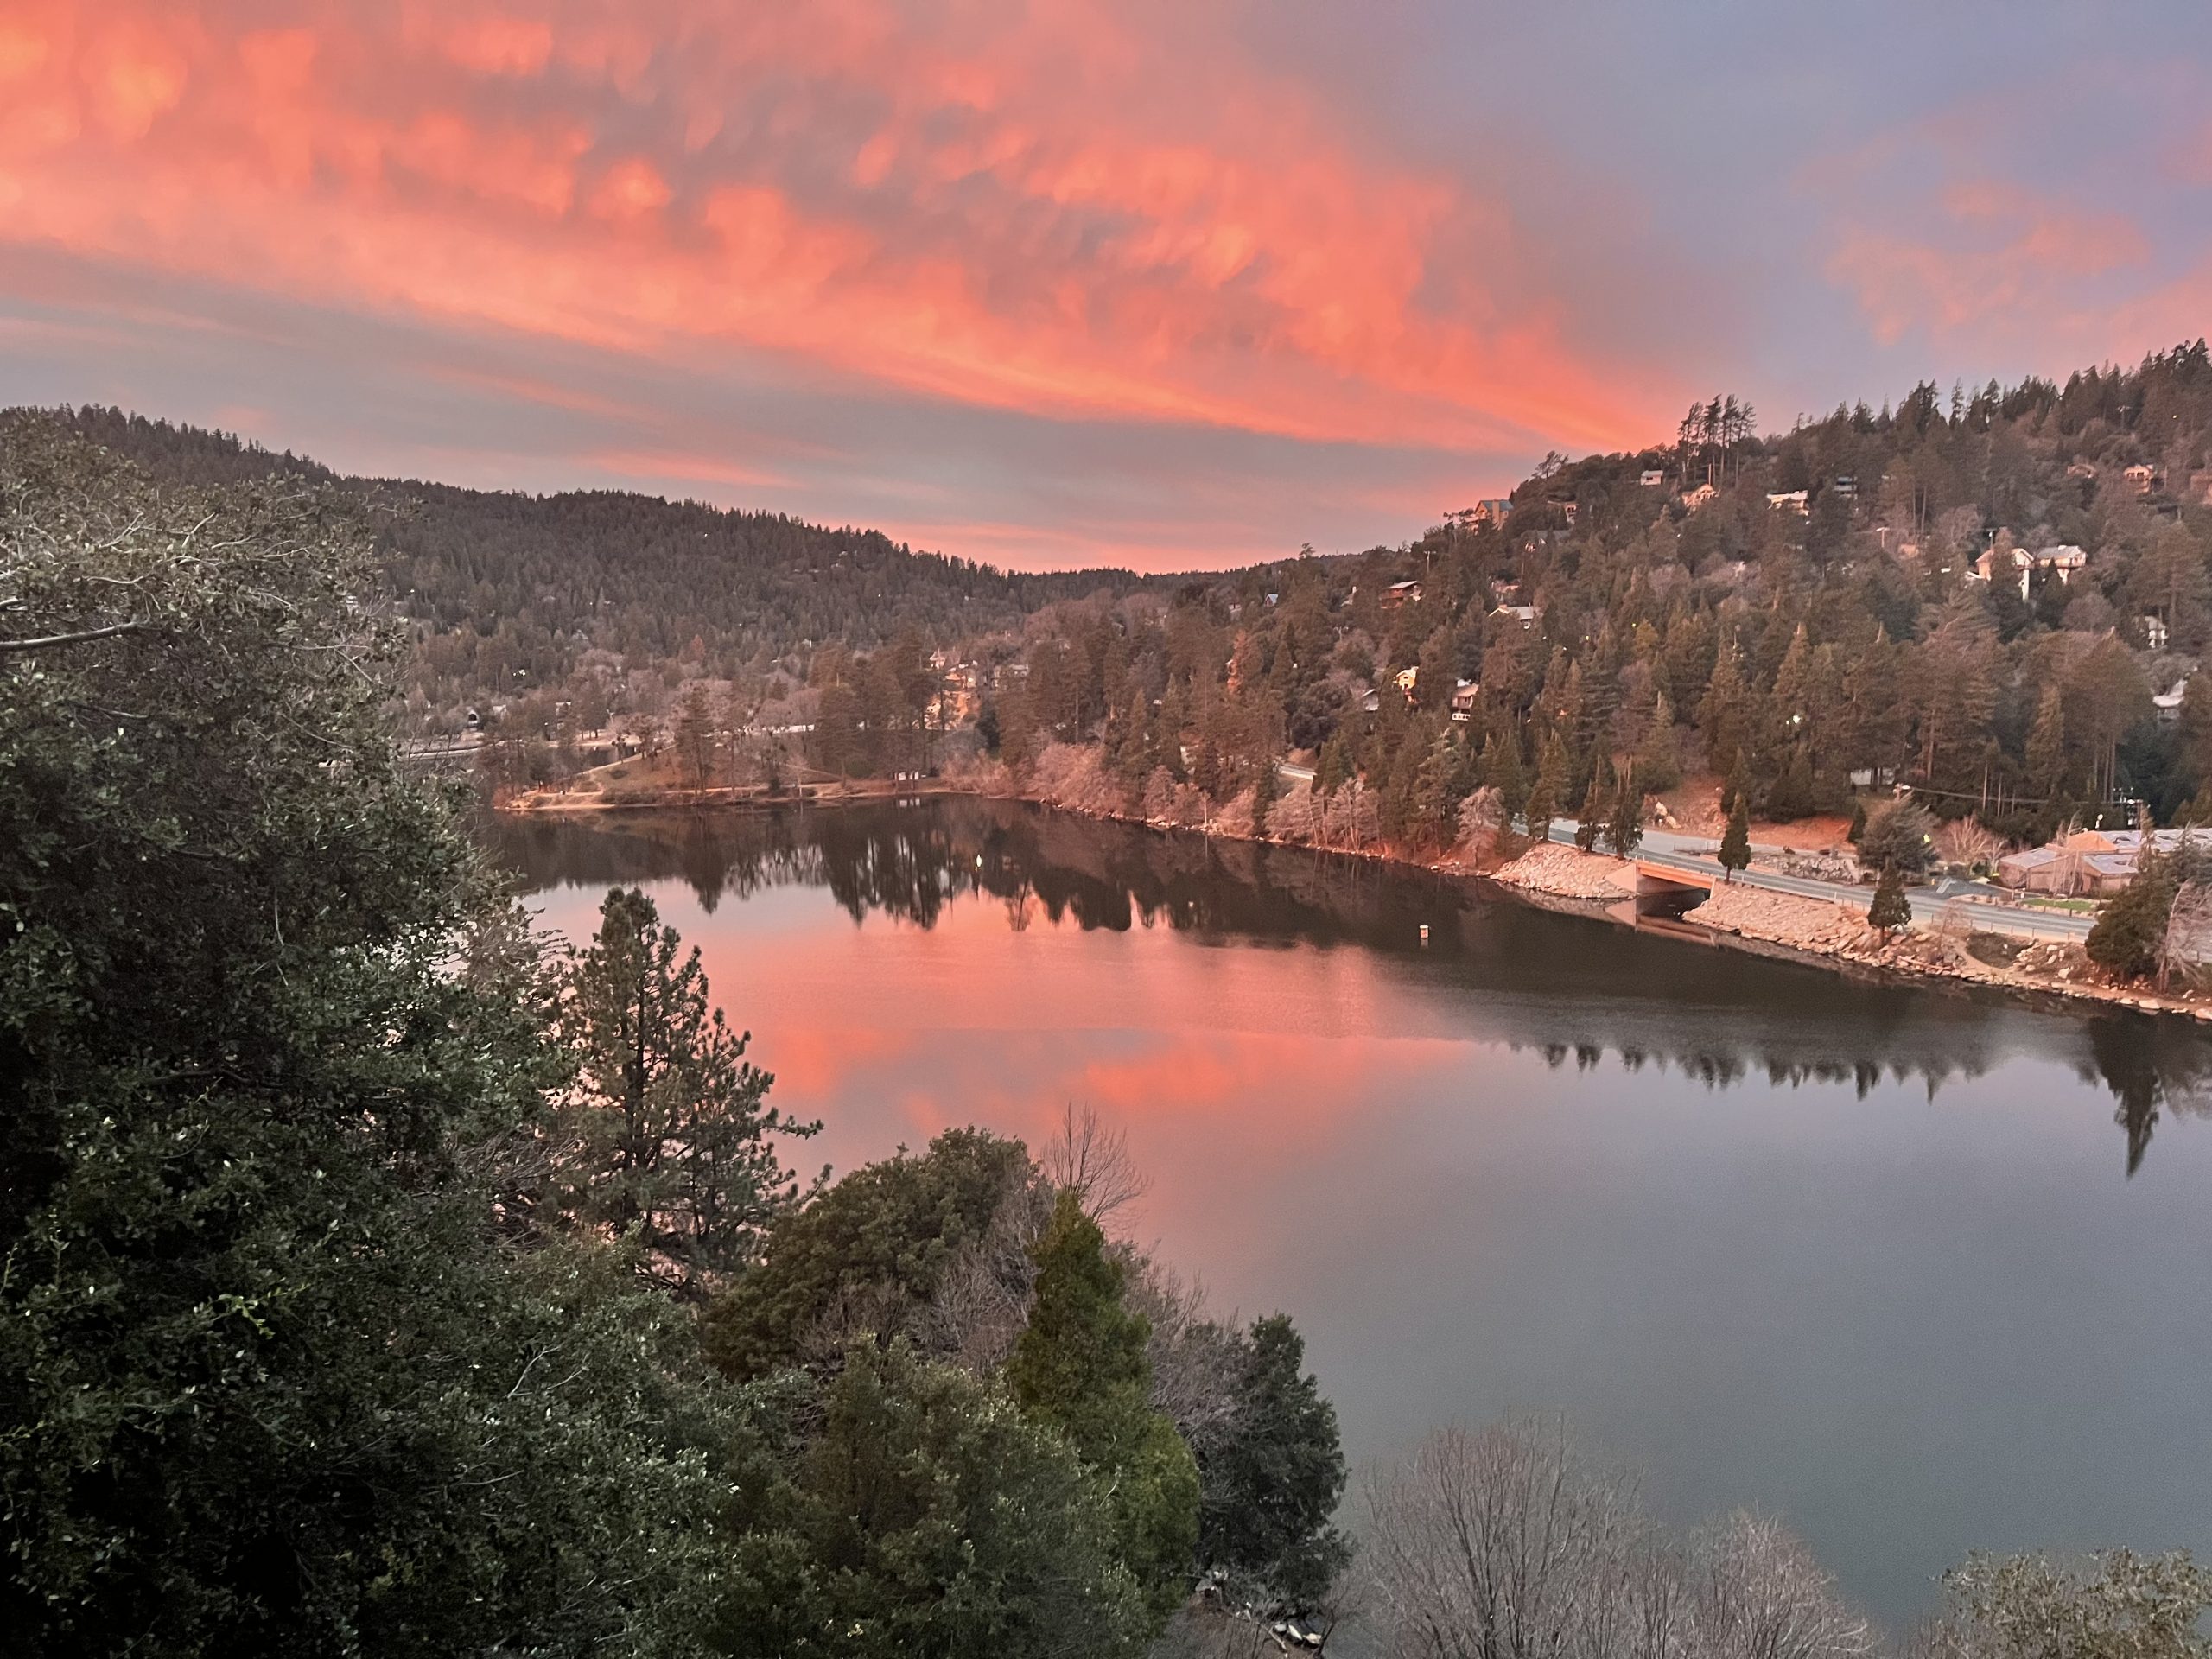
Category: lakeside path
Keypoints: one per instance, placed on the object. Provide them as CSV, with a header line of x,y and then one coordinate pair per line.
x,y
1696,855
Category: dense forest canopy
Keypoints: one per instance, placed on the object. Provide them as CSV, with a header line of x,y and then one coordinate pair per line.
x,y
513,595
1995,598
1982,595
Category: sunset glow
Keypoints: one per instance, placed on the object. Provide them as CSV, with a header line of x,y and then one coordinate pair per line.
x,y
1058,283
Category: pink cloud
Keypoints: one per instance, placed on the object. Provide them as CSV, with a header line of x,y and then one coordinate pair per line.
x,y
1040,212
1999,256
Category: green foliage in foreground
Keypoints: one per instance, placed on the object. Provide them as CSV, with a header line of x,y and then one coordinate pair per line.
x,y
1081,1367
294,1358
926,1515
270,1380
879,1241
1273,1483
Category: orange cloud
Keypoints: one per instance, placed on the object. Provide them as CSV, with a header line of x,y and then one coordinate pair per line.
x,y
1041,213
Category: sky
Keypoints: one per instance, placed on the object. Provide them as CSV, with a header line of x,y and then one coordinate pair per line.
x,y
1167,283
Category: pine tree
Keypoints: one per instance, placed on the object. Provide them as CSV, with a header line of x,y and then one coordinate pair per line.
x,y
1334,769
1266,786
1132,755
1272,1484
1551,785
1625,829
1434,804
1590,821
1724,715
1658,761
1737,787
1509,779
695,735
1857,832
2046,750
1081,1365
667,1137
1891,910
1735,844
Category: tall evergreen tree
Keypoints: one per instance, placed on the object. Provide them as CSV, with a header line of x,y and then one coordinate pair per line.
x,y
1625,827
1735,843
668,1137
1598,802
1081,1365
1890,911
1273,1483
1551,785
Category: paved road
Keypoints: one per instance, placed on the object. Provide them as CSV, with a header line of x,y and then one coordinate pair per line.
x,y
1696,853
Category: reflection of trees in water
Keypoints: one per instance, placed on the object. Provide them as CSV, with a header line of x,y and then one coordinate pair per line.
x,y
908,863
2149,1063
1561,985
1722,1068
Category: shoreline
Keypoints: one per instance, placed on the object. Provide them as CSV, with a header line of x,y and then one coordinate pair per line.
x,y
1811,932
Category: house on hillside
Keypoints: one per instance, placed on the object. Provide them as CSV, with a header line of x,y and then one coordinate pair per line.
x,y
1651,478
1523,615
2018,564
2144,477
2168,702
1401,593
1697,498
1464,696
1490,510
1797,501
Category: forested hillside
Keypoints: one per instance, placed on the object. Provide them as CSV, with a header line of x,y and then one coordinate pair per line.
x,y
518,596
1995,598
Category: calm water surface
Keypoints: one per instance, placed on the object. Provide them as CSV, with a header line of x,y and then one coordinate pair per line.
x,y
1920,1271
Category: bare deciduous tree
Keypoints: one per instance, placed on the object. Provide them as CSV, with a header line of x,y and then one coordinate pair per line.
x,y
1964,841
1759,1594
1507,1543
1501,1543
1093,1162
2187,946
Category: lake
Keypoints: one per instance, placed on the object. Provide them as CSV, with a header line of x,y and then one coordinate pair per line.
x,y
1918,1269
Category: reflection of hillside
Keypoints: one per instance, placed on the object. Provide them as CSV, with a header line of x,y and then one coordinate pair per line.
x,y
907,862
1566,986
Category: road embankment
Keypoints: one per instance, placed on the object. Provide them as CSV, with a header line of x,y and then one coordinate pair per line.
x,y
1818,931
1824,931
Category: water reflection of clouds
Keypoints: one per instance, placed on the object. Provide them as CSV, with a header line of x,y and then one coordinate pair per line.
x,y
1701,1201
965,873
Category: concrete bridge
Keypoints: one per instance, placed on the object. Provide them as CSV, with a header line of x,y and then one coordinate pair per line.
x,y
1654,879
